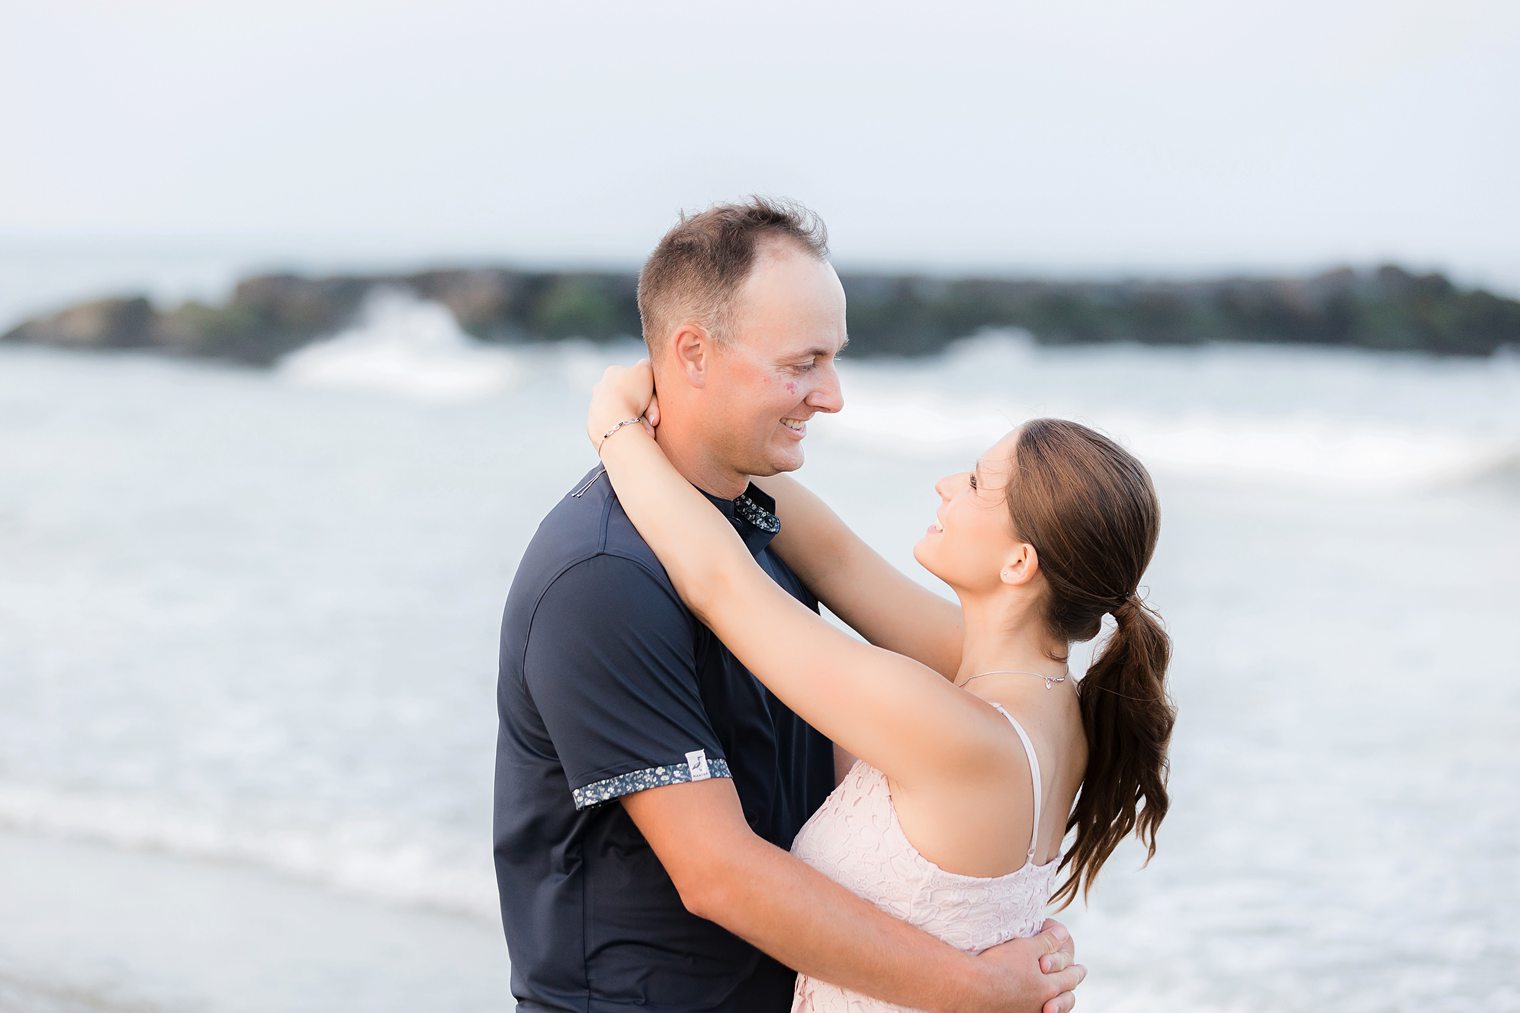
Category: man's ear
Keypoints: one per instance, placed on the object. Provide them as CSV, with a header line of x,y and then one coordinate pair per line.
x,y
692,348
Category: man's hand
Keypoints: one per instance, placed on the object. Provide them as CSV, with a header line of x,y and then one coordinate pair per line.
x,y
1022,972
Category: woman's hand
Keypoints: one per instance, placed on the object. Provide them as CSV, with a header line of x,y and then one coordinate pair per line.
x,y
624,392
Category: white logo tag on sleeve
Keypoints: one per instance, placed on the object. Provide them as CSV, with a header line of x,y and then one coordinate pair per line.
x,y
697,762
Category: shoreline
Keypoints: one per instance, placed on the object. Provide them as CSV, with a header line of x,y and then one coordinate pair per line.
x,y
90,928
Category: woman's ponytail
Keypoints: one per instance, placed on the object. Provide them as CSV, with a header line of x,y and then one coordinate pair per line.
x,y
1128,719
1091,513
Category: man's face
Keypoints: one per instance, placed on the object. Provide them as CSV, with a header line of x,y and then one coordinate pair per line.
x,y
777,368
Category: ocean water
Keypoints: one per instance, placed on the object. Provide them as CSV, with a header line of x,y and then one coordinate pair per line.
x,y
250,618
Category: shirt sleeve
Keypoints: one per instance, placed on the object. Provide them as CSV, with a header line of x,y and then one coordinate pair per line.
x,y
610,663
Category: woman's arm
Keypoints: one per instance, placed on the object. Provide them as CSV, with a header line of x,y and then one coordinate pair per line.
x,y
890,711
872,596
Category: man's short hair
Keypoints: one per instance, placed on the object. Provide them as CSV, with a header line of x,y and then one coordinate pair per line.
x,y
697,269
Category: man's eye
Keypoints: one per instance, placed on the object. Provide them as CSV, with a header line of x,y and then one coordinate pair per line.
x,y
973,481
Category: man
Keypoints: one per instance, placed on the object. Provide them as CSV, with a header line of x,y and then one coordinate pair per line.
x,y
647,786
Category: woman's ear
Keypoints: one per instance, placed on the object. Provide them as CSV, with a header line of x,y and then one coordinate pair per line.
x,y
1021,564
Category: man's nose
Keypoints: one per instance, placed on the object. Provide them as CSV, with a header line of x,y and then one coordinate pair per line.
x,y
942,487
827,396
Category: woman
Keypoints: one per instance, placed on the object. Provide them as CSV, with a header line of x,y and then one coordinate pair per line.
x,y
972,737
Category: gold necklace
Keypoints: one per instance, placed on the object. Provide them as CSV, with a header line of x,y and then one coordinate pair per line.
x,y
1049,679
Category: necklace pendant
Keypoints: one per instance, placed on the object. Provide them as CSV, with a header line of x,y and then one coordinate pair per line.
x,y
1050,680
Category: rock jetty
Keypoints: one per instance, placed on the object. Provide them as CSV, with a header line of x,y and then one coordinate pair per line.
x,y
896,314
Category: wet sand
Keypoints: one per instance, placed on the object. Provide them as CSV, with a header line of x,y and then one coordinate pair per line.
x,y
86,928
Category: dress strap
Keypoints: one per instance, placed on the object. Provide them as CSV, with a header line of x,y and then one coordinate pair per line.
x,y
1034,772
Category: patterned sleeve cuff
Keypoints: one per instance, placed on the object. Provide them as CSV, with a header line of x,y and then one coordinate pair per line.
x,y
619,785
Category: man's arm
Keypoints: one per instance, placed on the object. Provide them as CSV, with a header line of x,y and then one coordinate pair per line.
x,y
726,874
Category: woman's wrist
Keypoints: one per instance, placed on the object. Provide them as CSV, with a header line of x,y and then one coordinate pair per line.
x,y
632,422
623,398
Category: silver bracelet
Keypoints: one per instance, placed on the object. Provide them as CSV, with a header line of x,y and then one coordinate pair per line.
x,y
626,422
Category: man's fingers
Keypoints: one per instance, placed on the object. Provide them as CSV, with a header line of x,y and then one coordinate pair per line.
x,y
1050,963
1060,1004
1054,936
1069,979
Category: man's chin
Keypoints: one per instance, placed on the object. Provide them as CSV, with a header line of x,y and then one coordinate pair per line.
x,y
790,464
777,464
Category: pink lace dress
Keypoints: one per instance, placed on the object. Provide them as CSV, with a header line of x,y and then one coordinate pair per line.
x,y
854,839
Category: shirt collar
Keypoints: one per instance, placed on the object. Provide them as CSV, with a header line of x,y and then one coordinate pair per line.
x,y
753,515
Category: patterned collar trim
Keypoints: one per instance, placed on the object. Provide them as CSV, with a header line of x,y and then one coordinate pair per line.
x,y
757,515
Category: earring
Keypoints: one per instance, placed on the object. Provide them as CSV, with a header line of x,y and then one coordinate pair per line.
x,y
1005,574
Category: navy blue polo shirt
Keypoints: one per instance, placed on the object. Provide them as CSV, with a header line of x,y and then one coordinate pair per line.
x,y
609,686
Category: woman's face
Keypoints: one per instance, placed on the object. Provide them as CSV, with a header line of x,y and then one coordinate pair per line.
x,y
972,535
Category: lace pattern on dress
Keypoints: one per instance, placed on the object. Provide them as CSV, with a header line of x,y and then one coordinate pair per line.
x,y
855,839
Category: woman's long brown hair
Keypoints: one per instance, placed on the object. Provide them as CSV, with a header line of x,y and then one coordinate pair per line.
x,y
1091,513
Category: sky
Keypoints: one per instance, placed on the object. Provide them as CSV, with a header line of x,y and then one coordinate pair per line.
x,y
1178,136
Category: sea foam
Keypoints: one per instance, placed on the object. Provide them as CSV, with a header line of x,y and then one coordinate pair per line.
x,y
415,866
1237,414
405,346
1226,414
